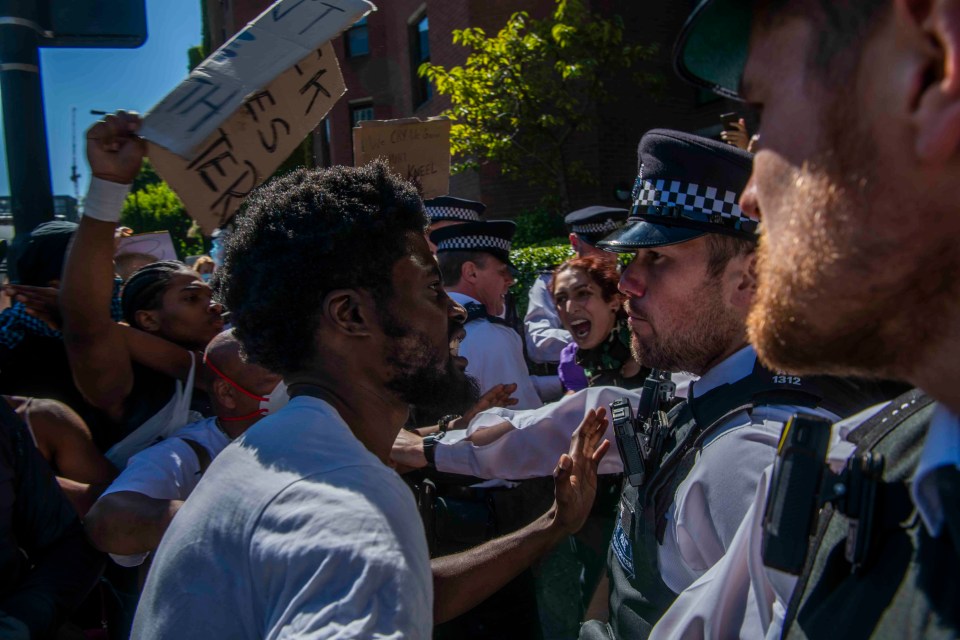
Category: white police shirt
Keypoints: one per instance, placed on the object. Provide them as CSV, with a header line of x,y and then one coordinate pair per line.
x,y
494,356
739,596
709,504
545,334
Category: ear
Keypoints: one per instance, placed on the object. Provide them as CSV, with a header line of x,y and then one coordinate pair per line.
x,y
147,320
468,272
936,116
350,312
223,391
742,274
575,242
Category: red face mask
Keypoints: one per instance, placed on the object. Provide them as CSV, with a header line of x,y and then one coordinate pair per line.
x,y
268,404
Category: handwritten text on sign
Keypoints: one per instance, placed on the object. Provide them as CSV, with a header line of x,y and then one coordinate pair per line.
x,y
246,149
283,34
416,149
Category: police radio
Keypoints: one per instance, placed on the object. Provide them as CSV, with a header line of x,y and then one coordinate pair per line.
x,y
640,438
803,482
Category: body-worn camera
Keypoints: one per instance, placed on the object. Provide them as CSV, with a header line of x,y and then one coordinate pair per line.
x,y
803,482
640,439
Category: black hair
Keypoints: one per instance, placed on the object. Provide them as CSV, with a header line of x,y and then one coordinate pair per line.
x,y
145,288
307,233
45,253
451,264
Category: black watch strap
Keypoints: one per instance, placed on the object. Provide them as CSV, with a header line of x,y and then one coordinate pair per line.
x,y
430,448
444,423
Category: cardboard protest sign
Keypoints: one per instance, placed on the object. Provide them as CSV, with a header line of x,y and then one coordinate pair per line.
x,y
158,244
246,149
414,148
284,34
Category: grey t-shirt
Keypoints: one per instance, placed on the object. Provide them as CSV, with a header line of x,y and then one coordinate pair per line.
x,y
296,530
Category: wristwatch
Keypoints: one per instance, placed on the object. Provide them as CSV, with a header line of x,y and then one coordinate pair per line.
x,y
444,423
429,448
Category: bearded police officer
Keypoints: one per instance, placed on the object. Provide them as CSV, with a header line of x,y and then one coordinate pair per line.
x,y
689,288
545,335
858,273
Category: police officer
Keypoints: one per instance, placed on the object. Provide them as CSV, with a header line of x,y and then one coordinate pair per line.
x,y
860,222
545,335
475,263
689,288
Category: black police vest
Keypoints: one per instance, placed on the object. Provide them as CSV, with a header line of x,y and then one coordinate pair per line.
x,y
638,595
909,586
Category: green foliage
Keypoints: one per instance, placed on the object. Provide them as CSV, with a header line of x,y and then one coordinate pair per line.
x,y
529,262
147,175
195,55
539,228
524,92
157,208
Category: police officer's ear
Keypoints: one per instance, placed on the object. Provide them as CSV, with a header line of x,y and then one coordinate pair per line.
x,y
743,271
931,28
350,312
468,271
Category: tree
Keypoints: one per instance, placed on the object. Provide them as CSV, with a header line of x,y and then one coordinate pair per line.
x,y
524,93
157,208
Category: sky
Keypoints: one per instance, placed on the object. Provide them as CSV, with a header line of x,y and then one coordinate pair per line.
x,y
107,80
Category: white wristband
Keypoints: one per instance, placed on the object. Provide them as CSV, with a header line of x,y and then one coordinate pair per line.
x,y
104,200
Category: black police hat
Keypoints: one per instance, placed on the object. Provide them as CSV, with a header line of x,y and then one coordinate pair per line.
x,y
456,209
595,223
711,50
490,236
688,186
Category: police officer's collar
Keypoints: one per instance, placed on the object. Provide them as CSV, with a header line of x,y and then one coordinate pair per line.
x,y
734,367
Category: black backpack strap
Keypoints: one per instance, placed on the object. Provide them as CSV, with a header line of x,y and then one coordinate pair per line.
x,y
476,311
203,456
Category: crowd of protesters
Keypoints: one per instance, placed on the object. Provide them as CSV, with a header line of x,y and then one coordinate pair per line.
x,y
379,447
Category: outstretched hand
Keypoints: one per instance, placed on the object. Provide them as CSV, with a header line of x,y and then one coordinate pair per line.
x,y
575,478
114,151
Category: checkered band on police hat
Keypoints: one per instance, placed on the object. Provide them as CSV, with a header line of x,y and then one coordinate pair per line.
x,y
451,213
597,227
716,206
473,243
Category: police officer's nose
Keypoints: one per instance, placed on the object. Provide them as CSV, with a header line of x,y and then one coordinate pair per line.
x,y
632,282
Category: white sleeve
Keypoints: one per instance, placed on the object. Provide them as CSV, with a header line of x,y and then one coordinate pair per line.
x,y
738,597
168,470
549,388
545,334
494,356
531,447
357,568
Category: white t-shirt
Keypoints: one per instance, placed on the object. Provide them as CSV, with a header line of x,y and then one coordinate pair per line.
x,y
295,530
168,470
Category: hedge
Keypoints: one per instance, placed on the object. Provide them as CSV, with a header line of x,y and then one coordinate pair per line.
x,y
530,261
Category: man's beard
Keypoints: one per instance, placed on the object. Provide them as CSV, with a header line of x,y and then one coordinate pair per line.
x,y
699,346
429,381
853,284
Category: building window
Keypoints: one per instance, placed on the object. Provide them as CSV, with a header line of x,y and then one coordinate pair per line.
x,y
357,40
360,112
420,53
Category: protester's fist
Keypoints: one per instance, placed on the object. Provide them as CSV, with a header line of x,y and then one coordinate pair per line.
x,y
113,149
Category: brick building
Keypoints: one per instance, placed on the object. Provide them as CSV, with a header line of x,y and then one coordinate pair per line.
x,y
379,58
